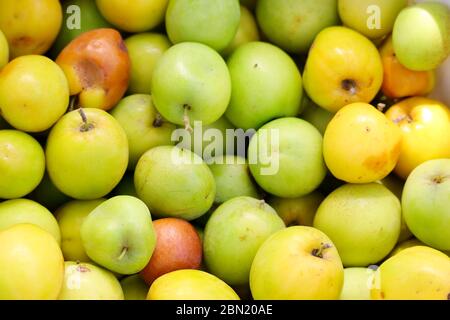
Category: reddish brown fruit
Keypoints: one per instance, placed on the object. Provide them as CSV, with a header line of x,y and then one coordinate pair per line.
x,y
178,246
97,66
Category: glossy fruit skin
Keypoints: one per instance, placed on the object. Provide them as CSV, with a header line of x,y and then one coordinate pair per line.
x,y
20,211
330,81
134,288
203,87
175,183
375,141
424,124
233,178
246,32
417,273
357,284
136,16
178,247
85,281
143,125
233,235
89,19
421,35
211,22
425,203
144,49
273,276
357,14
362,220
98,79
30,26
284,142
34,93
22,163
266,85
32,264
70,217
399,81
190,285
292,25
4,50
87,165
297,211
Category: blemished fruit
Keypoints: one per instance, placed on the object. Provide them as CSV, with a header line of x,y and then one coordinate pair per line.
x,y
425,203
329,78
31,262
133,16
144,126
85,281
425,130
190,285
34,93
70,217
174,182
134,288
119,235
211,22
20,211
372,18
376,144
144,50
30,26
417,273
246,32
4,50
98,80
357,284
293,24
318,271
79,16
297,211
421,35
178,247
362,220
233,235
266,85
399,81
203,87
86,153
233,178
285,157
22,164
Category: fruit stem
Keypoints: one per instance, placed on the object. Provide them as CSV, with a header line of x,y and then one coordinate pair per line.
x,y
123,253
158,122
318,252
186,121
85,126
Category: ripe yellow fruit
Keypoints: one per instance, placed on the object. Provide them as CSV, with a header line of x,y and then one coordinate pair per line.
x,y
360,144
31,264
30,26
416,273
190,285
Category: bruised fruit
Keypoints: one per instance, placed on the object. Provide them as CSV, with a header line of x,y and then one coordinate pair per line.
x,y
97,66
30,26
34,93
375,144
178,246
399,81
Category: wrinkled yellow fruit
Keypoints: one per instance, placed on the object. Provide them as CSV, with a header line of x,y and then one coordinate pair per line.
x,y
360,144
31,264
416,273
190,285
30,26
